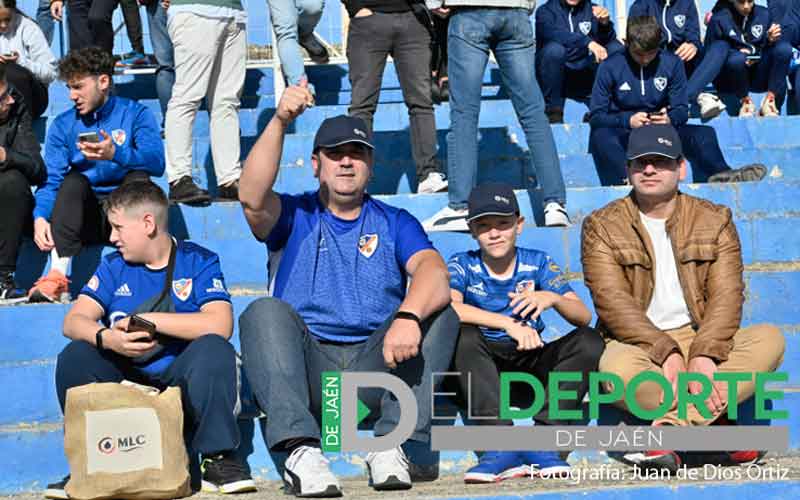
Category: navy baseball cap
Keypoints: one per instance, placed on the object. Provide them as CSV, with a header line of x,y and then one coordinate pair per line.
x,y
661,140
491,198
341,130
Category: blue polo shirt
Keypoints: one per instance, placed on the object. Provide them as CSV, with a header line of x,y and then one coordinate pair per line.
x,y
344,278
119,288
534,270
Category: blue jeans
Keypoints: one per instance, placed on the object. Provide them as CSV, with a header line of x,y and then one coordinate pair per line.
x,y
292,20
45,20
473,32
205,371
283,362
162,49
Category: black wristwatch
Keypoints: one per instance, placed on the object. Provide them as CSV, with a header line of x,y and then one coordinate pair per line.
x,y
408,315
98,338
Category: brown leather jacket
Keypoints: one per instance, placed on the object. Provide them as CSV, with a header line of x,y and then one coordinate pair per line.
x,y
618,267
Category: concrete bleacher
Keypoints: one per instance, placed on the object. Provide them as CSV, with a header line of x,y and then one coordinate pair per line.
x,y
767,215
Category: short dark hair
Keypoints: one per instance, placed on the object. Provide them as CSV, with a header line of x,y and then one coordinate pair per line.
x,y
88,61
134,194
643,34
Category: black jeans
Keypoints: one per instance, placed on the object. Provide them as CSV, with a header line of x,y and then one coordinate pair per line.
x,y
33,91
90,24
80,35
78,217
578,351
16,207
370,41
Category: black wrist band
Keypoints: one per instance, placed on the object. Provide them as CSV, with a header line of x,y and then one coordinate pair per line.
x,y
408,315
98,338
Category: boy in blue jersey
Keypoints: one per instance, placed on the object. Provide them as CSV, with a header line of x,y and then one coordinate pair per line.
x,y
756,58
179,288
572,38
643,86
339,267
103,142
499,292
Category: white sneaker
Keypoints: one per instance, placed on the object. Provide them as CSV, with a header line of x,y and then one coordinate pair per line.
x,y
748,108
388,470
555,215
710,106
447,219
434,183
307,473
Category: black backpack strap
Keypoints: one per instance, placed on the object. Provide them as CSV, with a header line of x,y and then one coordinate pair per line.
x,y
170,273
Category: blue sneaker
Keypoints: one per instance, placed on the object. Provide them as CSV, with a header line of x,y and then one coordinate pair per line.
x,y
545,464
496,466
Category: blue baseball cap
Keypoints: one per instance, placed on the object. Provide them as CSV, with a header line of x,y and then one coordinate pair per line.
x,y
340,130
660,140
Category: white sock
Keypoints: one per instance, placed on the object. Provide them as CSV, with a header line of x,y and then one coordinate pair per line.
x,y
59,263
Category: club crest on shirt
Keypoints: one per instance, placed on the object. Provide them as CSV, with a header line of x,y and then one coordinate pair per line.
x,y
680,20
757,30
367,244
182,288
585,27
93,283
526,286
118,136
660,82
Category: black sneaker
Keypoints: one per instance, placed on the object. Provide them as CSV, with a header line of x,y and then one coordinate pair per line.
x,y
748,173
226,473
316,51
56,490
184,190
229,192
9,293
555,115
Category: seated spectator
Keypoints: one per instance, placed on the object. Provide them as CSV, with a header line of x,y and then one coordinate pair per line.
x,y
91,149
572,38
665,272
504,28
30,65
21,166
680,34
500,292
643,86
293,22
193,323
402,29
210,50
339,266
757,58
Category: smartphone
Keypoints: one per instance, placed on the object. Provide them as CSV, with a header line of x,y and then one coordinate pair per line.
x,y
753,58
139,324
8,54
88,137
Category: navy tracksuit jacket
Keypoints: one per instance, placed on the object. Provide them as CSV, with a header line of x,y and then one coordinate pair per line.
x,y
623,88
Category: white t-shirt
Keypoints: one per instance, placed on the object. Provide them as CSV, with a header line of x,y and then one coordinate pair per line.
x,y
667,309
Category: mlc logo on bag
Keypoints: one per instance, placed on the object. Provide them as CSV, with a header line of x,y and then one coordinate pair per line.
x,y
123,440
109,445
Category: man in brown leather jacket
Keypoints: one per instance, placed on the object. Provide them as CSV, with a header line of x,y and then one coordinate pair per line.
x,y
665,272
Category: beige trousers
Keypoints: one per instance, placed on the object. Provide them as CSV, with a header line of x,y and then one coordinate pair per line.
x,y
758,348
210,62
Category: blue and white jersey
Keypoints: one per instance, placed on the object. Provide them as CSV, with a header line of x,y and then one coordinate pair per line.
x,y
534,270
119,288
344,278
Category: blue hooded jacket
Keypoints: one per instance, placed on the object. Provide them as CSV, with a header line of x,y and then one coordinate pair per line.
x,y
748,33
136,136
678,19
573,27
623,88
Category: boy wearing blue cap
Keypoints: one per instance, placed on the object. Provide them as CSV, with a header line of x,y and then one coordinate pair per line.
x,y
499,292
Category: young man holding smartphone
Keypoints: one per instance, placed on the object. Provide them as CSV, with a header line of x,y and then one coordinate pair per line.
x,y
153,283
104,141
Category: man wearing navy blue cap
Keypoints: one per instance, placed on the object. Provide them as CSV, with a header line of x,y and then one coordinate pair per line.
x,y
500,291
665,272
339,266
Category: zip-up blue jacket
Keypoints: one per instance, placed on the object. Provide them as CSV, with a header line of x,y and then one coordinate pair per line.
x,y
678,19
740,32
573,27
136,136
623,88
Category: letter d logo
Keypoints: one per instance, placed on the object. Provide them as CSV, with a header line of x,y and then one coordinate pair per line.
x,y
351,381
